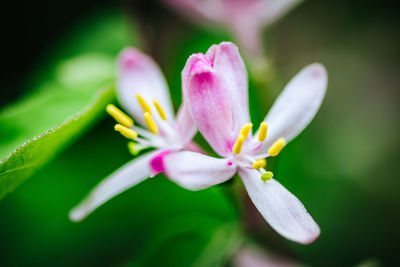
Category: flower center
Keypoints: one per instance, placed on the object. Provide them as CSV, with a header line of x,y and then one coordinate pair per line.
x,y
160,133
246,160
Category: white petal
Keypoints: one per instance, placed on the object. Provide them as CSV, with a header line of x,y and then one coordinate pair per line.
x,y
296,106
186,127
139,74
196,171
125,177
280,208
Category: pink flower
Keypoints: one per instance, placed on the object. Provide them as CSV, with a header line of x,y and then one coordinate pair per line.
x,y
143,92
245,19
215,91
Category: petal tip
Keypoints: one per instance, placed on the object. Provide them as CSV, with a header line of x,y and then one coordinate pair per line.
x,y
317,71
129,57
200,65
226,44
308,238
77,215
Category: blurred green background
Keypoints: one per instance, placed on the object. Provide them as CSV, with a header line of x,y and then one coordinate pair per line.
x,y
344,167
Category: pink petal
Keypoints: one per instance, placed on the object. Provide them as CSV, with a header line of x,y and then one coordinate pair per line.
x,y
192,146
139,74
157,162
296,106
225,60
209,103
125,177
188,68
280,208
196,171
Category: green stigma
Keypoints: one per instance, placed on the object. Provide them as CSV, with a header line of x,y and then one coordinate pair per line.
x,y
267,176
133,149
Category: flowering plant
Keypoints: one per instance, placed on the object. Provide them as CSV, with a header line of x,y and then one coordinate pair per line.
x,y
141,82
215,90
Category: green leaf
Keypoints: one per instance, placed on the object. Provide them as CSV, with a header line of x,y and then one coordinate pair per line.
x,y
122,229
68,96
24,161
197,239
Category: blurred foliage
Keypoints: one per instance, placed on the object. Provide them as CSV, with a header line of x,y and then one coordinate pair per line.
x,y
155,216
195,239
70,96
343,167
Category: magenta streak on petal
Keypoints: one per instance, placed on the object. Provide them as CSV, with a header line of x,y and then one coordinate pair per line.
x,y
258,147
229,145
157,162
210,107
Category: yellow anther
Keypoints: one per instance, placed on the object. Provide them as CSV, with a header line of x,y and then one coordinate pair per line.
x,y
267,176
160,110
262,134
246,130
277,147
150,123
261,163
237,148
128,133
143,104
119,116
132,148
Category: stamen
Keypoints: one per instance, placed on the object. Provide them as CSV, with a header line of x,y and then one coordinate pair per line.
x,y
150,123
128,133
262,134
277,147
237,148
246,130
119,116
258,164
267,176
143,104
160,110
